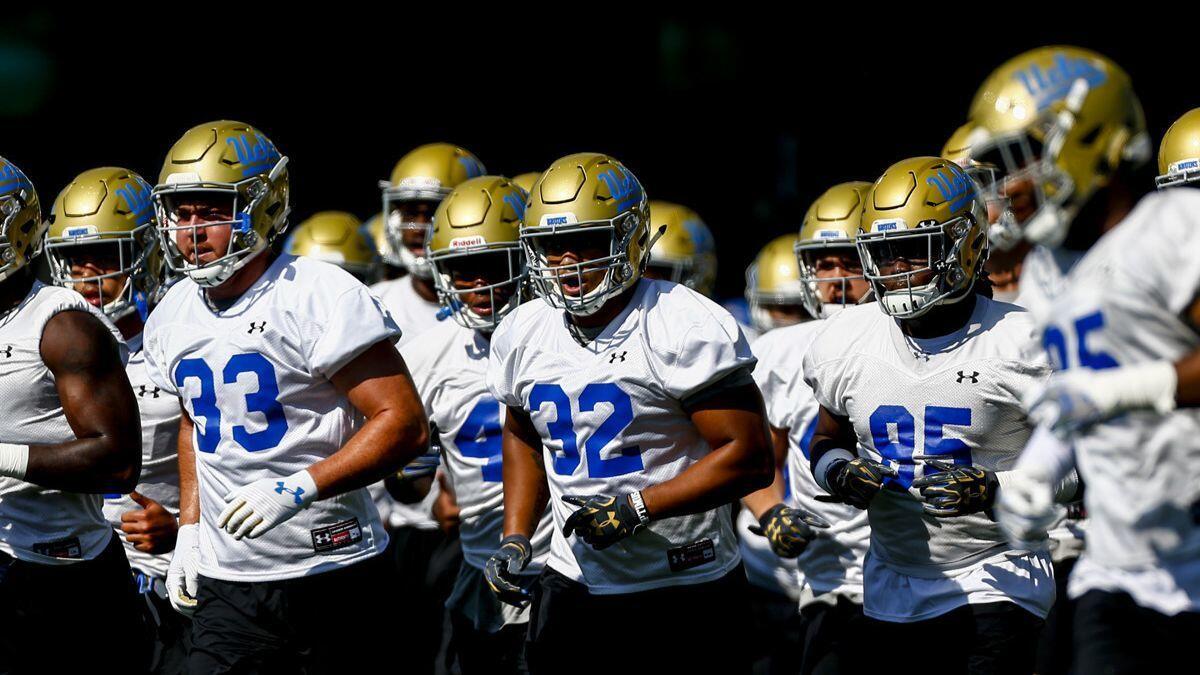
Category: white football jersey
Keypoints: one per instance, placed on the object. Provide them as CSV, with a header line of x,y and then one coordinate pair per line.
x,y
1044,276
414,315
1124,305
160,458
255,380
42,525
832,563
449,366
611,421
955,396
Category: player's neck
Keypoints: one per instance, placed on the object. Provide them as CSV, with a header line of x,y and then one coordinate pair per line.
x,y
242,279
607,312
130,325
424,288
942,320
14,289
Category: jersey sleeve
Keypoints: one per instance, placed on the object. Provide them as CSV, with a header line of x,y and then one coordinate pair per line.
x,y
774,383
823,366
707,352
502,363
154,353
1168,240
346,327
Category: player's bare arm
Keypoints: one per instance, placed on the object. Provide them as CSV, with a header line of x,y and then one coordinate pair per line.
x,y
850,479
98,402
761,501
189,490
524,473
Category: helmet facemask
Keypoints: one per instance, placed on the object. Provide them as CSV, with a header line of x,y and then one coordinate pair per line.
x,y
808,256
12,206
130,254
396,224
504,292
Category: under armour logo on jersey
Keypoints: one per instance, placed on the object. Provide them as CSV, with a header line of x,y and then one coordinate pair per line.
x,y
280,488
973,377
7,352
614,357
143,391
260,326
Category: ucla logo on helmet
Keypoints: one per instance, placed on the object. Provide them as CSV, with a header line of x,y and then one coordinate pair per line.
x,y
11,178
955,187
1050,84
623,187
255,153
136,195
472,166
518,205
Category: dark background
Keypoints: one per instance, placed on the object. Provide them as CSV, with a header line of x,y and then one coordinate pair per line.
x,y
745,117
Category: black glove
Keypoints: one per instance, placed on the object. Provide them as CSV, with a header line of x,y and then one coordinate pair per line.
x,y
857,481
788,530
603,520
502,568
956,490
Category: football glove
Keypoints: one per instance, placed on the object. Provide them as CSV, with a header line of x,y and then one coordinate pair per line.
x,y
603,520
256,508
426,464
1073,399
1025,507
788,530
182,574
856,481
501,570
955,490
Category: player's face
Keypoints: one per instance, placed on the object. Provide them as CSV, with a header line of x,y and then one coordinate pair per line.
x,y
415,213
900,256
95,260
837,265
480,271
577,248
205,228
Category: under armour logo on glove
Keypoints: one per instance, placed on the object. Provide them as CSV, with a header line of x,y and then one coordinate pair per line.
x,y
280,488
260,326
973,377
614,357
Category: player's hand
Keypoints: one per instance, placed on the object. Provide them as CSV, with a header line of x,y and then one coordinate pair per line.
x,y
1025,507
151,529
857,481
182,574
788,530
502,568
955,490
423,466
603,520
1072,399
254,509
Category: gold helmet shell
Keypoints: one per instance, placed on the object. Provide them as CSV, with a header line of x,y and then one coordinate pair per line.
x,y
480,220
1064,117
923,208
108,206
830,225
685,249
525,181
334,237
21,226
773,279
231,159
587,191
1179,152
427,173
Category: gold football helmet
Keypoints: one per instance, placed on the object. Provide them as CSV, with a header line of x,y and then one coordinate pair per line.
x,y
21,226
525,181
335,237
773,280
476,239
426,174
922,238
1179,153
828,232
106,214
685,252
234,161
1062,120
593,202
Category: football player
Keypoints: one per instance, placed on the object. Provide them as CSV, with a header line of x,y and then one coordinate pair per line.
x,y
773,288
919,421
68,433
829,548
102,242
479,271
335,237
1123,335
685,253
295,400
388,265
631,409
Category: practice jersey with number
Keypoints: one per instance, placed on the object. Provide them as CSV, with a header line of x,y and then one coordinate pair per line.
x,y
611,420
414,315
449,367
1125,305
255,381
833,562
38,524
159,481
956,396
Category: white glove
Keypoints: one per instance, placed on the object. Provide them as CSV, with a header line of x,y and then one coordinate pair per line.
x,y
1025,507
254,509
181,575
1073,399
